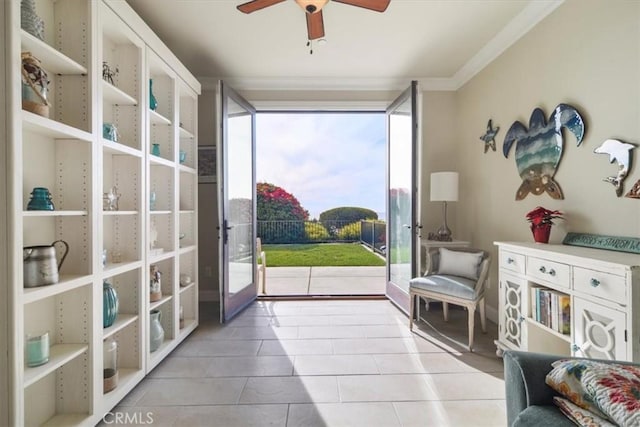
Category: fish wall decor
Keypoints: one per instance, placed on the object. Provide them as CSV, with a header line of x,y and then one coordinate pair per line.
x,y
619,152
539,148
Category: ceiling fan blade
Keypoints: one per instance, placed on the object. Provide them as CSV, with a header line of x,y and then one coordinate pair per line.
x,y
376,5
315,25
254,5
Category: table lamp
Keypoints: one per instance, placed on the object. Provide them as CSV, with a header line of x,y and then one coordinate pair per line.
x,y
444,188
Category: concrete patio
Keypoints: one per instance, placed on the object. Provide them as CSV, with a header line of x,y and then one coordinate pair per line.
x,y
325,281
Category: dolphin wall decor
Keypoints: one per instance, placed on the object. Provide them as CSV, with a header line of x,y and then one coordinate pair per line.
x,y
619,152
539,149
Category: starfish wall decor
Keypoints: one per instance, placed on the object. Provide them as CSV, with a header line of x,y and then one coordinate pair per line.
x,y
489,137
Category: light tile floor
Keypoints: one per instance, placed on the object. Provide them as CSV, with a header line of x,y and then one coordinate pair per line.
x,y
326,363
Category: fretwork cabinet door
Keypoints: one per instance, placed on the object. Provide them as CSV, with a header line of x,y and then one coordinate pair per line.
x,y
598,331
511,300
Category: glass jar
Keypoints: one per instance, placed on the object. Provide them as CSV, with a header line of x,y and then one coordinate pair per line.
x,y
110,365
40,200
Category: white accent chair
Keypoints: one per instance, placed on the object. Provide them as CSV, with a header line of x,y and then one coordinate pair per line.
x,y
461,279
261,259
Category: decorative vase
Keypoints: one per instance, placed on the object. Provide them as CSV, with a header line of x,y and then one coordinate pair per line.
x,y
35,84
156,333
541,233
109,304
155,149
153,102
40,200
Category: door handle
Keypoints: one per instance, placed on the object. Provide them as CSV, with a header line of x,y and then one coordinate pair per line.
x,y
225,231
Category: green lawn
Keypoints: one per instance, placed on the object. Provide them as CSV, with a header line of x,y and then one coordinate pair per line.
x,y
320,254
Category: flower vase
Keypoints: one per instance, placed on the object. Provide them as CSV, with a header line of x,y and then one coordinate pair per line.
x,y
541,233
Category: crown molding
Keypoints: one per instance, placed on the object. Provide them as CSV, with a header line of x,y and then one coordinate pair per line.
x,y
528,18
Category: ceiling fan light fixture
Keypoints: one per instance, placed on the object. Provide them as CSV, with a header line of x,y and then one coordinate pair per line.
x,y
312,6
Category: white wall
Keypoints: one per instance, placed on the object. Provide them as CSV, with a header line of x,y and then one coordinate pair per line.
x,y
587,54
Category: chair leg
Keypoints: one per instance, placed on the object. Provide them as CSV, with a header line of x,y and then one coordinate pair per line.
x,y
483,316
412,302
472,316
445,311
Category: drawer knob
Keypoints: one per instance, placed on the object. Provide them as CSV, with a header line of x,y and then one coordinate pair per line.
x,y
510,260
595,282
542,269
552,272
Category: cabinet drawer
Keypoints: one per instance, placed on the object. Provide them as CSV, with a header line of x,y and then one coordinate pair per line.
x,y
599,284
549,271
512,261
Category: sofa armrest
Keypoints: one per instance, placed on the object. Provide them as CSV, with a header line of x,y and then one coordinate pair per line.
x,y
524,375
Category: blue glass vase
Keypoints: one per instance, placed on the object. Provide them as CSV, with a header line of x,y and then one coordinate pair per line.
x,y
109,304
153,102
40,200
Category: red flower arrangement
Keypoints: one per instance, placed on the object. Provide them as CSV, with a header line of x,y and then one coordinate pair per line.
x,y
541,220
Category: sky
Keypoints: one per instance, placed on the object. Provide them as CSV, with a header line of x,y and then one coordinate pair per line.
x,y
326,160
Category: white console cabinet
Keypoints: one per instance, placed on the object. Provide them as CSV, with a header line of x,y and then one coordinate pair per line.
x,y
68,153
601,287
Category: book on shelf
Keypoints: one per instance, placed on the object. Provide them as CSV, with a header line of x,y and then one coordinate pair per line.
x,y
551,309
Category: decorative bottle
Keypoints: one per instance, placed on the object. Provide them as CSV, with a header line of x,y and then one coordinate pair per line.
x,y
109,304
153,102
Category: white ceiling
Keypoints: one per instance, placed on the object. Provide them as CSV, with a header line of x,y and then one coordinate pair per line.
x,y
441,43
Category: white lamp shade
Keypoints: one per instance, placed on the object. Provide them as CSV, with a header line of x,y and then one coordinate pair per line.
x,y
444,187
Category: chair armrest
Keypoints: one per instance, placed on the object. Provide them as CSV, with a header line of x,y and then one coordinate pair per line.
x,y
524,379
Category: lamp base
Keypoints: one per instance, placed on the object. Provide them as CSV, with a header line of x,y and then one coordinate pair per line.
x,y
442,235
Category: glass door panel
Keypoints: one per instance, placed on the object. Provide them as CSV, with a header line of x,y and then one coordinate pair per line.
x,y
401,196
238,203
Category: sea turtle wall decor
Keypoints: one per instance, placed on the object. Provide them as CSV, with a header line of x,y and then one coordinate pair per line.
x,y
489,137
539,148
619,152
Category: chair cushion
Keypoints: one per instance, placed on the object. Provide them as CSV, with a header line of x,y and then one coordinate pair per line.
x,y
446,284
459,263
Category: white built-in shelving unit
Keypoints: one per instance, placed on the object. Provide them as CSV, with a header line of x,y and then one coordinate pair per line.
x,y
67,153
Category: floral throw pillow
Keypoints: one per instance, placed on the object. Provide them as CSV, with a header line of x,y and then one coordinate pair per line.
x,y
580,416
565,378
616,391
609,390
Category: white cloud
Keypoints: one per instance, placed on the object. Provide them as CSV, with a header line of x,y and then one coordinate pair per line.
x,y
326,160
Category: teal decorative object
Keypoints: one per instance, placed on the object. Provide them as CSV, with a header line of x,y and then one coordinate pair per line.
x,y
109,304
155,149
539,149
40,200
153,102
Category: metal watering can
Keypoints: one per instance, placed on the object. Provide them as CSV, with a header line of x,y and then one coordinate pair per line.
x,y
39,264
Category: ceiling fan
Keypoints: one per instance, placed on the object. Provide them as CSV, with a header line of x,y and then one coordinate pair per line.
x,y
313,10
